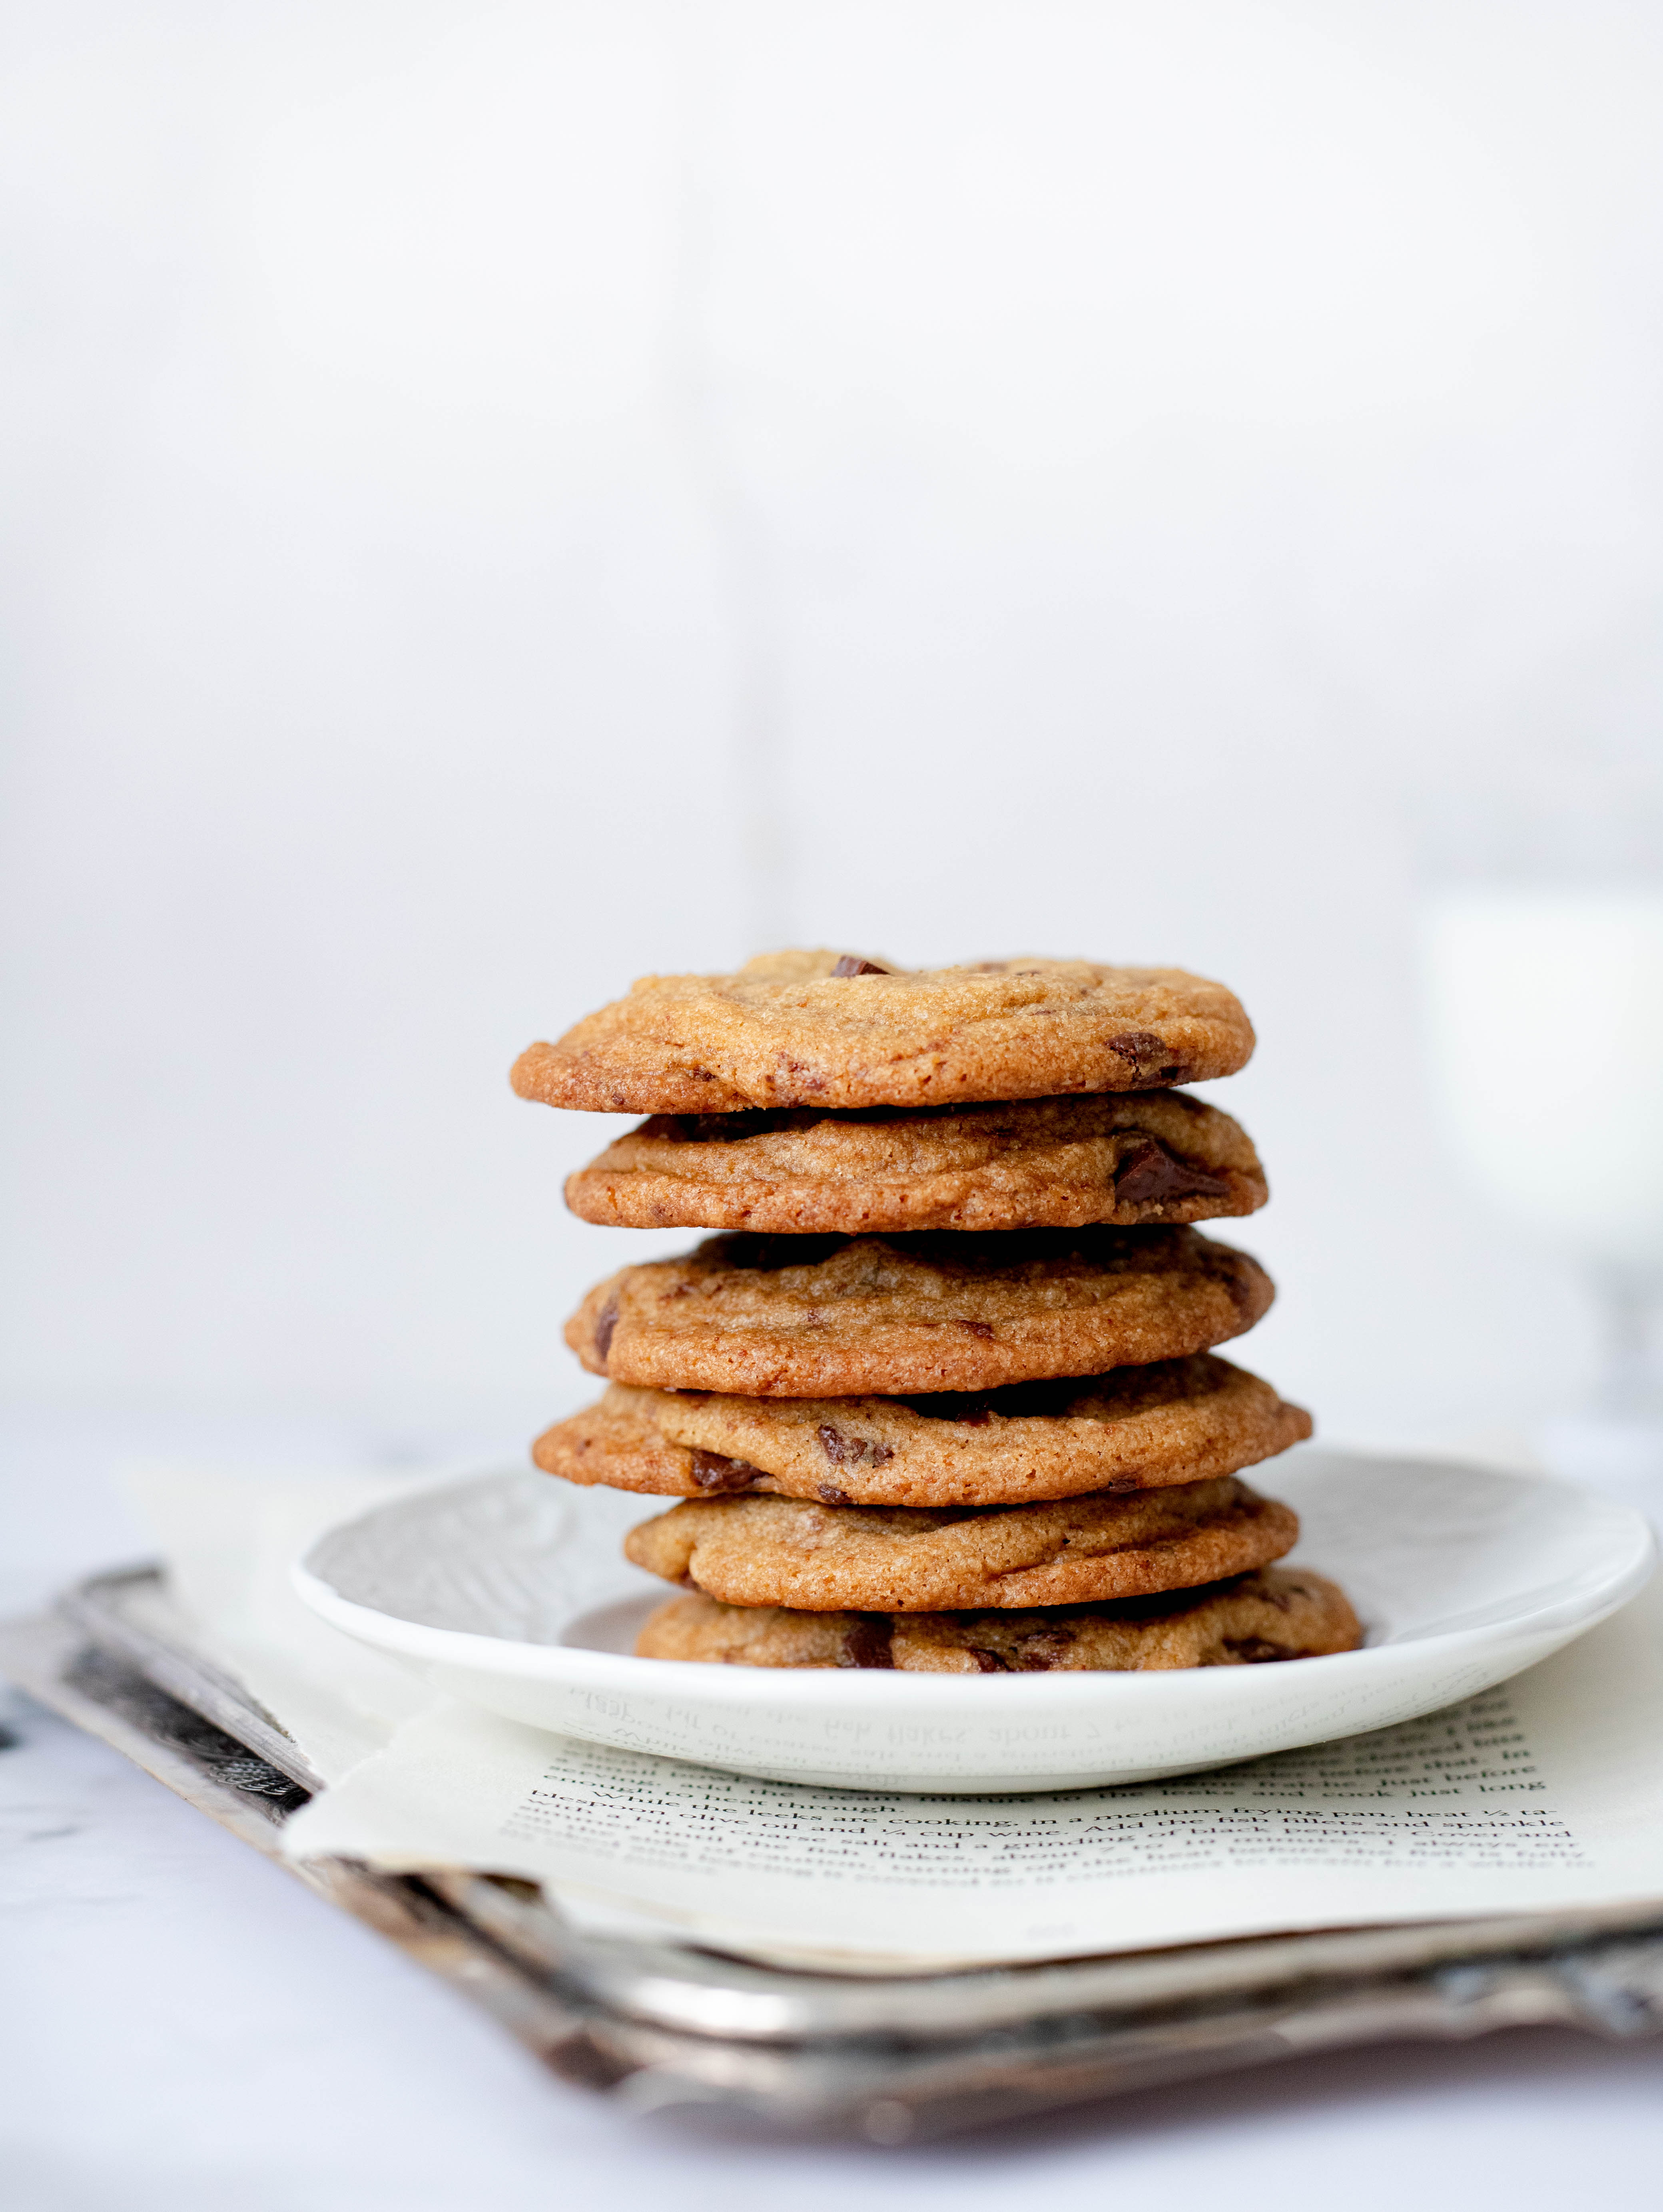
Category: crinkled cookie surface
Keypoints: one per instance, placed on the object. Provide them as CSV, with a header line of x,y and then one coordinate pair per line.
x,y
1136,1428
1275,1613
1125,1158
833,1316
784,1550
825,1029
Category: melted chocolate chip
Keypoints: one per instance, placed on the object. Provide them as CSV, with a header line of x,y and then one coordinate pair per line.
x,y
1150,1056
844,1450
982,1328
1149,1174
1235,1271
829,1494
801,1074
1253,1650
715,1474
852,964
1039,1653
989,1662
606,1322
1138,1045
867,1644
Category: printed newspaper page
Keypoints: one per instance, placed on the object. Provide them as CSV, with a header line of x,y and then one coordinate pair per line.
x,y
1544,1792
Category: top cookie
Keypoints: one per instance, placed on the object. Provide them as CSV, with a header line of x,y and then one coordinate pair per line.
x,y
825,1029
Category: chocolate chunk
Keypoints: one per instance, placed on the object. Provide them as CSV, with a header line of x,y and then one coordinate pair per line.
x,y
829,1494
799,1074
604,1324
983,1329
1150,1056
867,1644
852,964
715,1473
844,1450
1237,1277
1148,1174
1279,1594
1253,1650
1039,1653
989,1662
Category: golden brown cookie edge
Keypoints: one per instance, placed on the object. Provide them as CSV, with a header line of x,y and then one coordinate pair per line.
x,y
685,1627
1248,1531
600,1445
907,1361
633,1056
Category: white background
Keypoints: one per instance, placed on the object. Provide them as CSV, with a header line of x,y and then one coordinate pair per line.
x,y
500,498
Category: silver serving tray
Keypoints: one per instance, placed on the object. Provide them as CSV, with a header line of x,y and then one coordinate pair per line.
x,y
893,2058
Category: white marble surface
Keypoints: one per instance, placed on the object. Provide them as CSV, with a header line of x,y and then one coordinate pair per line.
x,y
184,2028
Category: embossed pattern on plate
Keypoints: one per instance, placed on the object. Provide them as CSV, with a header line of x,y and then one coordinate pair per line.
x,y
507,1593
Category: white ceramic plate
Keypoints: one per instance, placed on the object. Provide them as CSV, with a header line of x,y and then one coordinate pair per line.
x,y
509,1591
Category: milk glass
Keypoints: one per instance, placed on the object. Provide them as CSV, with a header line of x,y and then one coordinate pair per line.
x,y
1544,1004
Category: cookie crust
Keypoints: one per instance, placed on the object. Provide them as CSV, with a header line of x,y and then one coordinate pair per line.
x,y
837,1317
821,1029
1136,1428
1032,1163
1274,1613
865,1558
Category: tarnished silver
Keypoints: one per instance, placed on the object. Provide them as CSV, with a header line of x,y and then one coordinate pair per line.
x,y
892,2058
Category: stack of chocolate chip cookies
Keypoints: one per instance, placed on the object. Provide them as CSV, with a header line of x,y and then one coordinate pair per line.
x,y
941,1394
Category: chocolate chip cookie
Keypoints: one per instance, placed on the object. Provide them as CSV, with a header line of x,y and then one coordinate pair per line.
x,y
1136,1428
894,1559
1278,1613
838,1316
1034,1164
828,1028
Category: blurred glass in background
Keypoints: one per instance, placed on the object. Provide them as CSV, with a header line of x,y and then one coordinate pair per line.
x,y
1541,944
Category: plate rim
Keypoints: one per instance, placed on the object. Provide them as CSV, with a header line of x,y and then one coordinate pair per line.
x,y
580,1666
